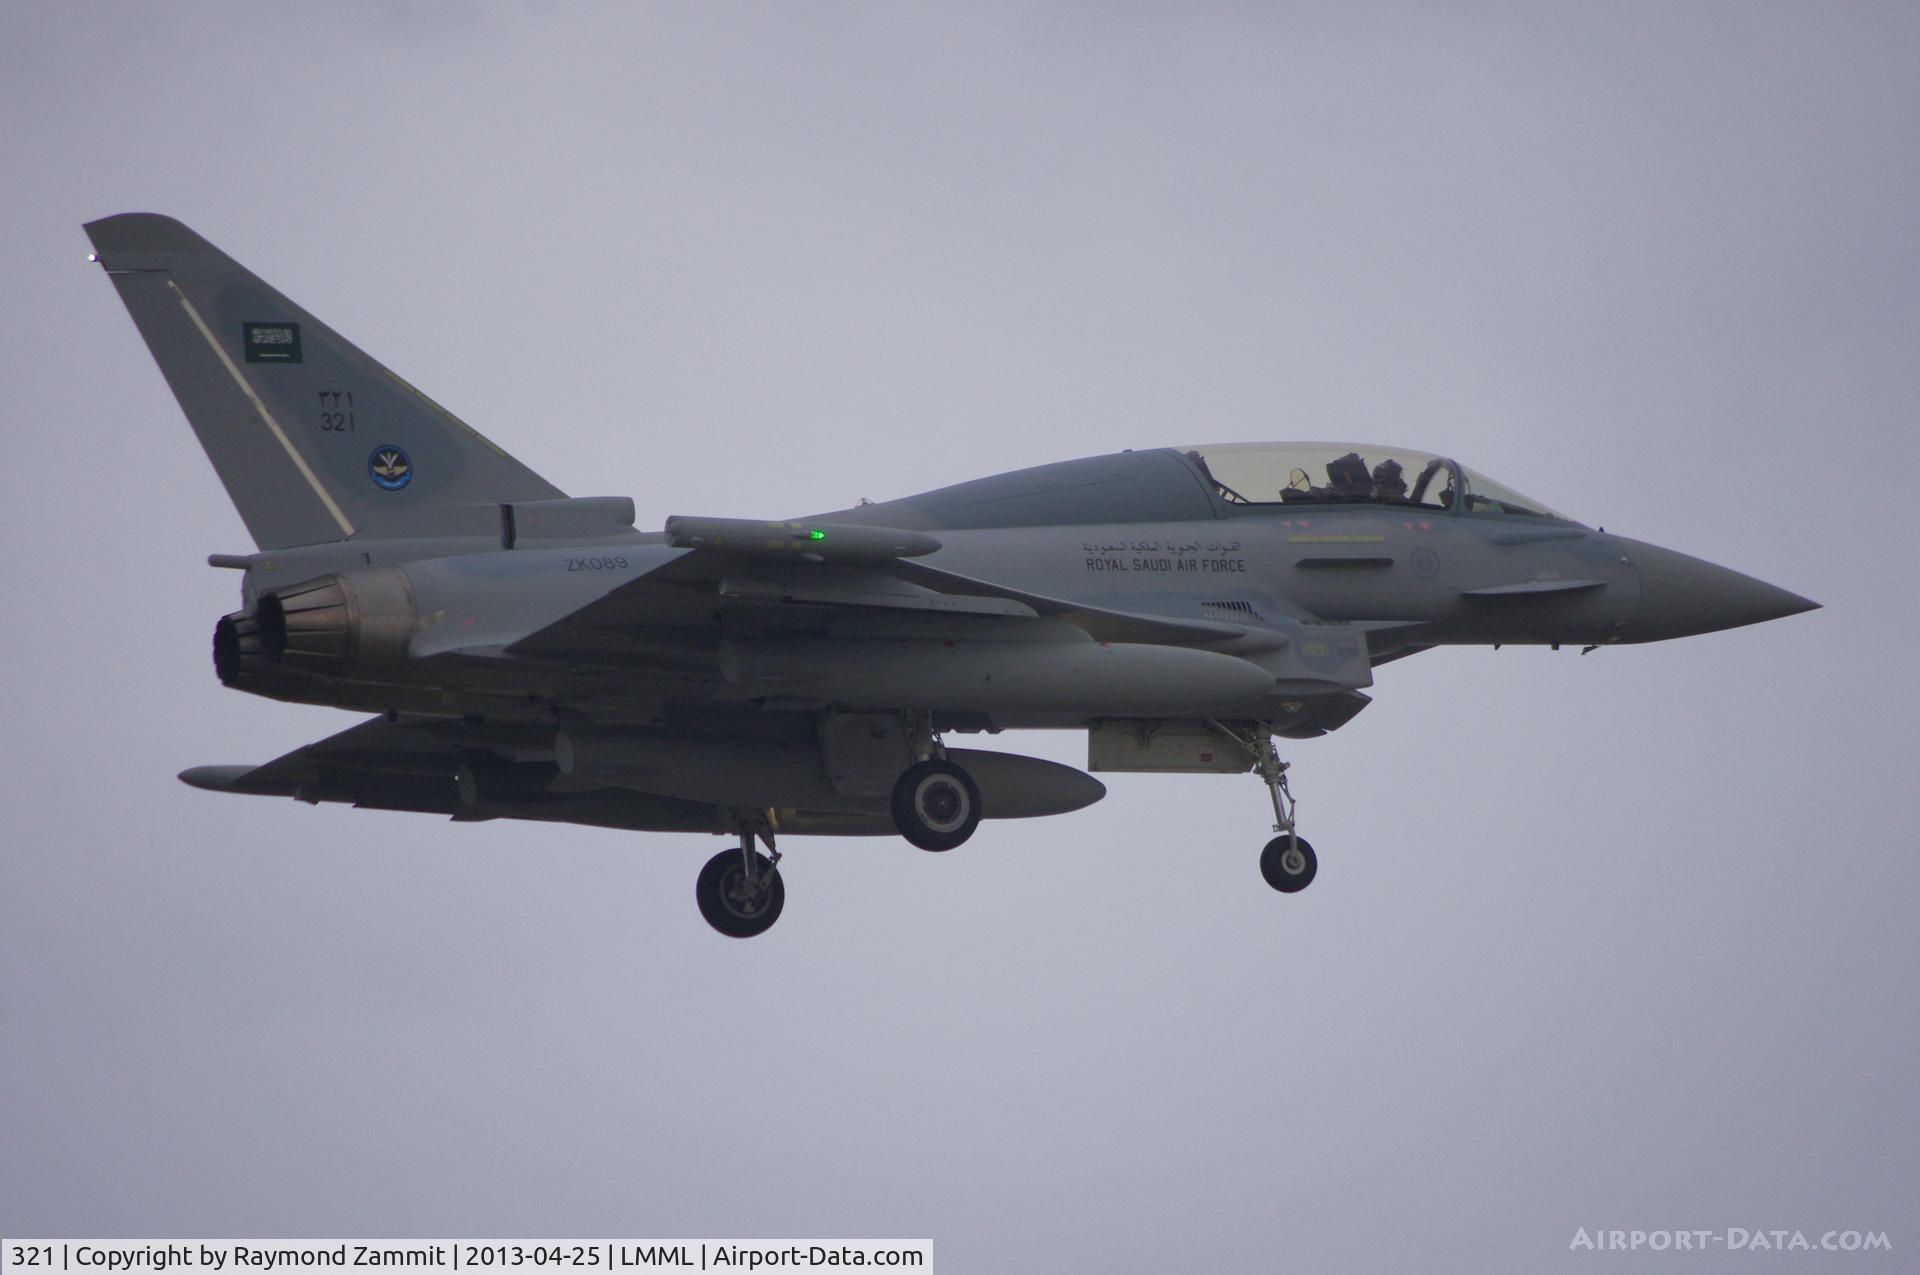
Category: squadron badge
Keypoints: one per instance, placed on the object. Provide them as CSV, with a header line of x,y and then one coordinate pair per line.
x,y
389,467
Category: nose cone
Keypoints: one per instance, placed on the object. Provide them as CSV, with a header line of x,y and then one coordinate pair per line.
x,y
1681,596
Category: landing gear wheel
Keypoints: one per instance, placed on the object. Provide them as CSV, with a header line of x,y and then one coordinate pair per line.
x,y
936,805
1288,864
737,907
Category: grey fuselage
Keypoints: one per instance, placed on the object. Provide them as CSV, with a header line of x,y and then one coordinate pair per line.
x,y
1134,532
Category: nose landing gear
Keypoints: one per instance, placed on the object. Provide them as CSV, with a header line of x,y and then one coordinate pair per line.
x,y
1287,862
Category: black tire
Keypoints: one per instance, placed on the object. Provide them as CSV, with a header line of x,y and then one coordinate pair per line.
x,y
936,805
1288,878
725,902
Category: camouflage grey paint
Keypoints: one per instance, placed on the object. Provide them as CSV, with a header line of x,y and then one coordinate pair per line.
x,y
535,656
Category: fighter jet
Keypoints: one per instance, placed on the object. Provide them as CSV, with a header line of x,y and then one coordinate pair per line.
x,y
532,655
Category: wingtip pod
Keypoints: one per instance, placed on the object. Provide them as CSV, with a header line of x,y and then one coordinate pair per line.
x,y
215,778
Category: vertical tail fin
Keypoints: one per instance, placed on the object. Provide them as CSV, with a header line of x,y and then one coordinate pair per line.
x,y
314,440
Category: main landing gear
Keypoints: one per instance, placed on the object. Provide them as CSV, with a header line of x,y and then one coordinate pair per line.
x,y
1287,862
739,891
936,804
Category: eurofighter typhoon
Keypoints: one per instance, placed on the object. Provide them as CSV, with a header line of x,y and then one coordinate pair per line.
x,y
530,655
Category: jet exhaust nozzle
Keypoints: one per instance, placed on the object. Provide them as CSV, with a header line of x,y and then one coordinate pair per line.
x,y
342,625
237,648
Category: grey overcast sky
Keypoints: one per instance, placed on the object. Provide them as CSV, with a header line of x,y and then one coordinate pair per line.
x,y
1622,941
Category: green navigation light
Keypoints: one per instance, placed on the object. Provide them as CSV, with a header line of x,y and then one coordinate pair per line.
x,y
816,535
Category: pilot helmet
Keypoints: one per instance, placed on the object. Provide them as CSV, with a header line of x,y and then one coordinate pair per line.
x,y
1348,475
1387,479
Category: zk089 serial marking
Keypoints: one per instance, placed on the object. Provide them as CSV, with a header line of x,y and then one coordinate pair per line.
x,y
596,564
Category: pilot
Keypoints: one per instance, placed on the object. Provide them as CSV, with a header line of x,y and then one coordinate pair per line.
x,y
1388,484
1348,478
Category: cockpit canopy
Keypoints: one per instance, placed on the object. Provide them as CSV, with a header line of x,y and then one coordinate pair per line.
x,y
1353,473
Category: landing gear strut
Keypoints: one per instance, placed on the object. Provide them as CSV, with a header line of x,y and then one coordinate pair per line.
x,y
739,891
1287,862
936,804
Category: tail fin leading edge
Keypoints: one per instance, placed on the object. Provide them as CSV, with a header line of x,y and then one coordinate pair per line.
x,y
314,440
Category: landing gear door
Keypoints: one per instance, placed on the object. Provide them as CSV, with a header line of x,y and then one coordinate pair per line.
x,y
1166,748
865,752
